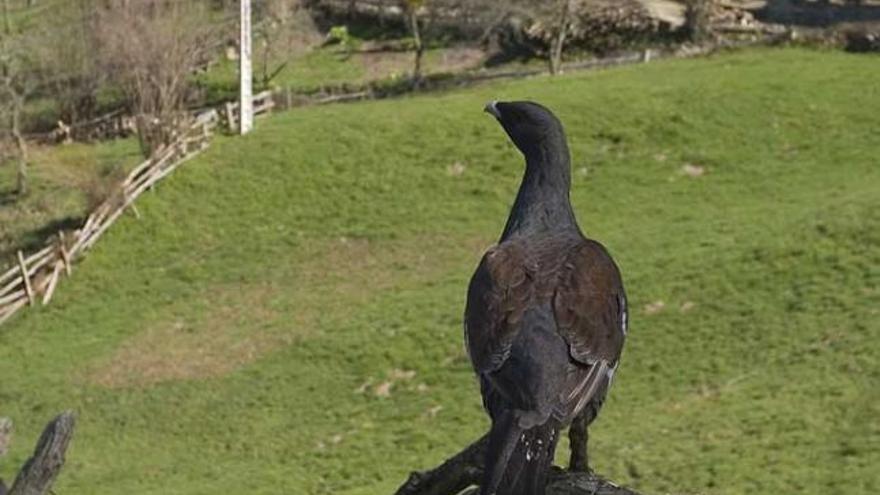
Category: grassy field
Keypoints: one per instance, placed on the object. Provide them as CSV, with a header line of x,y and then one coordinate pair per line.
x,y
286,315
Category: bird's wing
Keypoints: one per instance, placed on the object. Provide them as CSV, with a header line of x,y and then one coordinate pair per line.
x,y
582,289
590,309
498,296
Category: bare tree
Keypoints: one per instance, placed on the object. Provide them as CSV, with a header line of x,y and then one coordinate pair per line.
x,y
412,7
151,47
281,28
69,59
560,31
16,84
550,22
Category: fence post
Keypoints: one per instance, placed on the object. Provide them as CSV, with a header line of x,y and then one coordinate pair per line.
x,y
126,200
206,136
230,117
62,248
27,281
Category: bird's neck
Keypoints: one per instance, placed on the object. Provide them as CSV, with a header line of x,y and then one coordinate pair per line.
x,y
542,204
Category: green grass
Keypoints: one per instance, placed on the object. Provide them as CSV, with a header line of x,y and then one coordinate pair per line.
x,y
235,337
322,67
64,182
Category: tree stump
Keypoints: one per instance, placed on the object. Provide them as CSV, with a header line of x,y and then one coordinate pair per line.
x,y
39,472
460,473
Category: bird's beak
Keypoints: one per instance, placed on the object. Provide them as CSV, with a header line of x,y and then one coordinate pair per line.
x,y
492,109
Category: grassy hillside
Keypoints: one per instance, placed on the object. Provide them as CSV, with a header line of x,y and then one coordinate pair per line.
x,y
286,316
65,183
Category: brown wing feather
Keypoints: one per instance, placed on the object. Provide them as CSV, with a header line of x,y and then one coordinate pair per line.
x,y
498,295
590,305
582,284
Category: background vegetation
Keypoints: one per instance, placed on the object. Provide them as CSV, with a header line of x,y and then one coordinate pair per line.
x,y
286,315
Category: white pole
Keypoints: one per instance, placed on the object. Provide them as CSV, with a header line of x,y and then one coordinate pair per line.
x,y
245,101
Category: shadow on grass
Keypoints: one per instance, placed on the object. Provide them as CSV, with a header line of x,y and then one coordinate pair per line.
x,y
35,239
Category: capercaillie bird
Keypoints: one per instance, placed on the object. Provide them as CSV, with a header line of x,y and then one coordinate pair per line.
x,y
546,316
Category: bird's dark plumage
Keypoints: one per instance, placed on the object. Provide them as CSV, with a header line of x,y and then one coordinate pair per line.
x,y
546,313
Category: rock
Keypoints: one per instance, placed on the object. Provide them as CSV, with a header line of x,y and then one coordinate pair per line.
x,y
692,170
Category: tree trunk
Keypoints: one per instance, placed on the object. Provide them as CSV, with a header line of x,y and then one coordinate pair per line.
x,y
419,48
39,472
264,63
697,20
21,145
559,40
143,134
7,25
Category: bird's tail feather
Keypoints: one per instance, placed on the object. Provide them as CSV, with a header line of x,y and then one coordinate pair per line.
x,y
518,460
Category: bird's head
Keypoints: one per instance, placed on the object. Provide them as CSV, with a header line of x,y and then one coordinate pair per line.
x,y
531,127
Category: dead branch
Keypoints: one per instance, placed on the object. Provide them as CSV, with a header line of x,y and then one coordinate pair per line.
x,y
464,470
39,472
457,473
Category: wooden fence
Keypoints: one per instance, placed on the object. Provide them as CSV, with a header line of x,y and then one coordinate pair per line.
x,y
263,102
34,277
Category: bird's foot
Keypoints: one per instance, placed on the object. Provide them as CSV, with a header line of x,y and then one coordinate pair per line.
x,y
579,466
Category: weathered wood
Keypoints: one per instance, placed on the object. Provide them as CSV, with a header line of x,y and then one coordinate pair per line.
x,y
94,218
465,469
164,173
454,475
39,264
230,116
9,274
99,231
53,281
12,296
206,136
15,282
39,254
25,278
97,220
133,208
343,97
13,278
39,472
137,171
18,289
578,483
62,250
264,105
10,310
207,118
157,174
